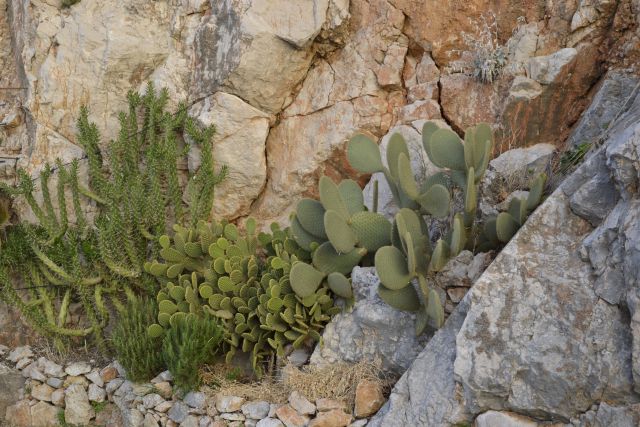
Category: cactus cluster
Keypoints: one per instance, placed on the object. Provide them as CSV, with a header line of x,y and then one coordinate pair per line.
x,y
133,181
411,260
243,279
339,232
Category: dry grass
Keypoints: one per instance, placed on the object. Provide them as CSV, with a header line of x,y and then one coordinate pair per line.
x,y
336,381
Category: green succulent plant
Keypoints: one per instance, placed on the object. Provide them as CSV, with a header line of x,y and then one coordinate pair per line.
x,y
243,279
409,264
339,232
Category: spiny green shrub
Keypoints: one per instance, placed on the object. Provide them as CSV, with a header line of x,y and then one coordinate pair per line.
x,y
411,255
138,353
243,279
134,183
190,342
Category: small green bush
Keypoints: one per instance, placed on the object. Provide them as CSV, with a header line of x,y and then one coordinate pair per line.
x,y
138,353
190,342
68,3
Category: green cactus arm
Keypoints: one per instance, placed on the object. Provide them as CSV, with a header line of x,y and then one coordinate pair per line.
x,y
339,232
302,236
340,285
434,309
363,155
372,230
436,201
428,129
458,236
506,227
305,279
470,199
391,266
327,260
447,151
310,214
535,192
351,194
405,177
440,256
331,198
405,299
395,147
518,210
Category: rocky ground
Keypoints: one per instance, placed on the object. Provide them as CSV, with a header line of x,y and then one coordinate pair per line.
x,y
81,394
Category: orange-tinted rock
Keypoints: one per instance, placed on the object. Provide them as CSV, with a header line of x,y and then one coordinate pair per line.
x,y
332,418
369,398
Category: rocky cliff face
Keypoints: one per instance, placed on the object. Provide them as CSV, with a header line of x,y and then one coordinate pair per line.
x,y
550,330
287,83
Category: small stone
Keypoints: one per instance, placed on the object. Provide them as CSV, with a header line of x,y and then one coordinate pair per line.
x,y
109,373
42,392
19,414
152,400
269,422
70,380
163,376
78,368
50,369
94,377
149,421
178,412
22,363
456,294
142,389
164,406
55,382
119,368
78,410
164,389
273,407
113,385
232,416
32,372
290,417
329,404
110,416
332,418
256,410
96,393
195,399
211,409
134,418
503,419
57,398
205,421
190,421
229,403
44,415
369,398
20,353
301,404
219,423
298,357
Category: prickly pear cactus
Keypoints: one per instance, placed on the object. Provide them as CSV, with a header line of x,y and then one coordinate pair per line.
x,y
339,232
244,280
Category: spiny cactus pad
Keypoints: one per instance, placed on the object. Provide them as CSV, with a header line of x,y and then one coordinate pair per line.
x,y
364,155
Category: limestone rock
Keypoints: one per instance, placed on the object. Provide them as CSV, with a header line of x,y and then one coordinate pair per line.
x,y
545,69
269,422
95,377
229,403
372,331
290,417
19,415
503,419
42,392
10,382
152,400
195,400
239,143
552,340
329,404
437,402
96,393
256,410
55,382
178,412
57,398
20,353
44,415
369,398
78,410
50,368
77,369
332,418
301,404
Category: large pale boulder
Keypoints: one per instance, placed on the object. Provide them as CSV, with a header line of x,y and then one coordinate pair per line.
x,y
373,331
239,144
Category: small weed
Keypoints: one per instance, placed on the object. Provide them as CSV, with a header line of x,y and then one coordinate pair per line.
x,y
99,406
61,420
573,157
234,374
65,4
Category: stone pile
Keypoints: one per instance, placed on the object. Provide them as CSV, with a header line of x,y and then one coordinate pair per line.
x,y
82,394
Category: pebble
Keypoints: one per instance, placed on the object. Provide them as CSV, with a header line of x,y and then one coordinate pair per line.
x,y
301,404
20,353
256,410
229,403
78,368
196,400
152,400
95,377
50,369
97,393
178,412
55,382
